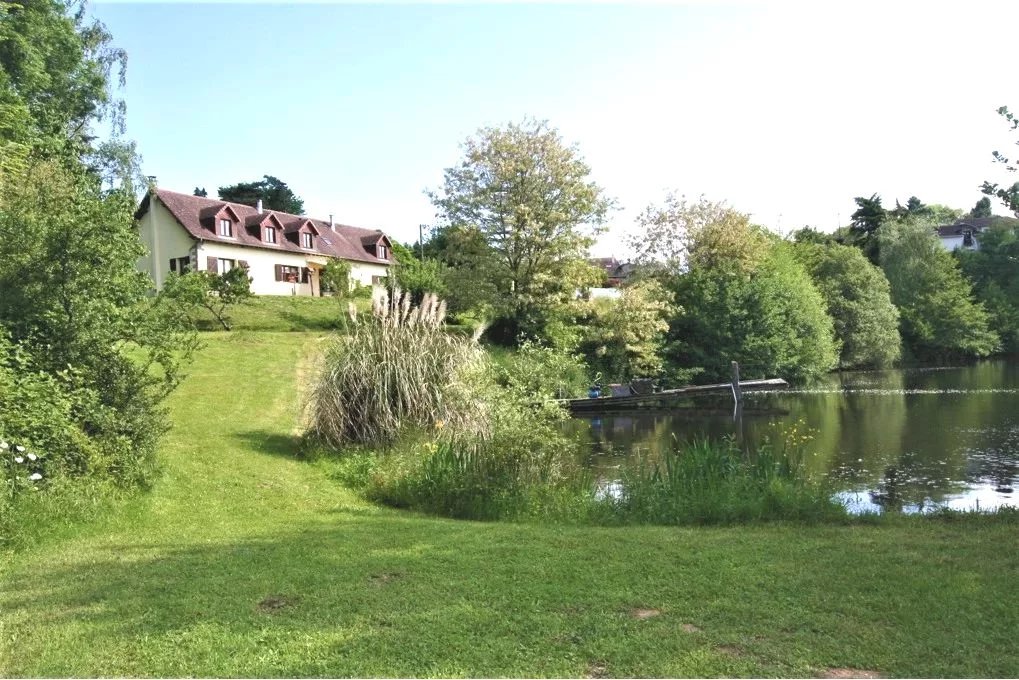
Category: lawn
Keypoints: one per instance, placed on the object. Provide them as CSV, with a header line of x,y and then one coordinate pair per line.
x,y
244,561
285,313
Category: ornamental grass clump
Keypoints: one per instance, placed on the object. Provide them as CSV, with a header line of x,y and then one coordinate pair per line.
x,y
397,369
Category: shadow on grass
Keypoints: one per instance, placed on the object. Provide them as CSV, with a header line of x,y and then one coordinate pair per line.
x,y
272,443
391,595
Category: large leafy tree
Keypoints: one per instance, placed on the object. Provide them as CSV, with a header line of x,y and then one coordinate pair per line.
x,y
994,271
866,221
982,208
743,297
939,317
1008,195
523,204
273,192
858,299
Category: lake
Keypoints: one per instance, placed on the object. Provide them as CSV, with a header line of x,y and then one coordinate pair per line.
x,y
907,440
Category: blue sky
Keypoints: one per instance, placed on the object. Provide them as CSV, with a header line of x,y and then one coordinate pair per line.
x,y
783,109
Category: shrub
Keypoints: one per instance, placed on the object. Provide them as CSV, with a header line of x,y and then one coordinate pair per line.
x,y
537,373
215,293
395,370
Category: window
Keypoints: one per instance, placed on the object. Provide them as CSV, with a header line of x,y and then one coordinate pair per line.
x,y
306,240
225,265
378,280
226,228
181,265
269,235
382,252
288,274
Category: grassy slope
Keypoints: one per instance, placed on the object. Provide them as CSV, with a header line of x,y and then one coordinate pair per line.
x,y
171,585
285,313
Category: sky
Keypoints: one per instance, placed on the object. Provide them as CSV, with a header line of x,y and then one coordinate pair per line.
x,y
786,110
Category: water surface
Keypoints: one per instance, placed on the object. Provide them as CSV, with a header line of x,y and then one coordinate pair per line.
x,y
905,440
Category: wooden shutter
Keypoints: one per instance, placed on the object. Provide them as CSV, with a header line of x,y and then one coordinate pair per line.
x,y
243,264
212,264
279,272
173,264
305,275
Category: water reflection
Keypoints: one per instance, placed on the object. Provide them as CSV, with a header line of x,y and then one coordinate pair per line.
x,y
904,441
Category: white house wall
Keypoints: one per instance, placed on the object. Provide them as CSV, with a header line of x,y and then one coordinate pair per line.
x,y
164,239
950,243
261,267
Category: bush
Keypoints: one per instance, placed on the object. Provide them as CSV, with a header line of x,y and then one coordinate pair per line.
x,y
537,373
396,370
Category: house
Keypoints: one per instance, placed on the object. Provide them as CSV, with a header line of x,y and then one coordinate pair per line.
x,y
616,272
282,253
965,232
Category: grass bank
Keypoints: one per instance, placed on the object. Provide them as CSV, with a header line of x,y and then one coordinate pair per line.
x,y
246,562
284,313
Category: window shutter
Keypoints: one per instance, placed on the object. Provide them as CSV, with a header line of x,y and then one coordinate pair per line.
x,y
243,264
305,275
173,264
279,272
212,264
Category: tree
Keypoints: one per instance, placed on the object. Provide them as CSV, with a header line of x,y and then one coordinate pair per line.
x,y
665,234
625,338
1009,196
939,317
982,208
200,191
994,271
335,277
274,193
524,202
215,293
866,221
56,67
858,299
74,301
417,276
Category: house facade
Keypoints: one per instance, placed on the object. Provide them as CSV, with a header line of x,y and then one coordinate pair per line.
x,y
965,233
282,253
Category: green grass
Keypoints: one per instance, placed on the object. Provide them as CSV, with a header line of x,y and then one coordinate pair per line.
x,y
286,313
170,584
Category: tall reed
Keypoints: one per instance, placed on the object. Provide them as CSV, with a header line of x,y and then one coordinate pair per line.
x,y
396,369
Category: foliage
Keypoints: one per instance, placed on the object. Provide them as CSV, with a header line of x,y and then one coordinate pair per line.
x,y
335,277
55,72
625,337
744,298
200,191
215,293
858,299
519,214
274,193
939,316
396,370
1009,196
91,357
994,272
417,276
811,235
866,221
540,373
705,482
982,208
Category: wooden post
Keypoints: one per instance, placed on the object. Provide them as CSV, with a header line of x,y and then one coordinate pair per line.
x,y
737,391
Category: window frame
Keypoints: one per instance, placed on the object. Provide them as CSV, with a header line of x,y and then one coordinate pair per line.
x,y
223,265
307,238
269,235
227,226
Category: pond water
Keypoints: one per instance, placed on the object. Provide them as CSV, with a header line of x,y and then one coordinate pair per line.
x,y
906,440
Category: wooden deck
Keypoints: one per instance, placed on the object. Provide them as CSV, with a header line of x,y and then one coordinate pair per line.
x,y
663,398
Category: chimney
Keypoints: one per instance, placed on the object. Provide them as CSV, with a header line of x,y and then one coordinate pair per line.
x,y
332,225
258,207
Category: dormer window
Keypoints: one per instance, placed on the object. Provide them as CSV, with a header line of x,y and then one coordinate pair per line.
x,y
306,240
226,228
382,252
269,234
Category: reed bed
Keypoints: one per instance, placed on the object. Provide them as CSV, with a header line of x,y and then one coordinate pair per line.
x,y
396,369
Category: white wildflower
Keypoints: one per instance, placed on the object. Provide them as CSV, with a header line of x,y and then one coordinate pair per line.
x,y
19,459
4,446
35,477
33,457
19,448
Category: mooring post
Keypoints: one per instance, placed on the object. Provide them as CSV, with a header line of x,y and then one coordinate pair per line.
x,y
737,391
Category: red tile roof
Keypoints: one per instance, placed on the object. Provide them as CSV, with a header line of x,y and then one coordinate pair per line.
x,y
190,211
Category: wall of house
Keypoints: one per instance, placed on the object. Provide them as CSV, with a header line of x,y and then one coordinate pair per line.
x,y
363,272
950,243
164,239
262,267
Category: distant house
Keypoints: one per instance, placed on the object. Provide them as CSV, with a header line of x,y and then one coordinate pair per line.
x,y
282,253
965,232
616,272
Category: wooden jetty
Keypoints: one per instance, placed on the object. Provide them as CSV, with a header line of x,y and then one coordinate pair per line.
x,y
643,398
664,397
